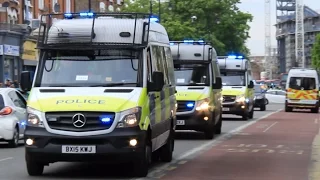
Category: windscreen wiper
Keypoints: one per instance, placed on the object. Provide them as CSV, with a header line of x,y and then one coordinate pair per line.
x,y
112,84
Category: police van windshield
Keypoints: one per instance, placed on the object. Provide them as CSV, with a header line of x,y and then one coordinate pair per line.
x,y
193,75
90,69
233,78
302,83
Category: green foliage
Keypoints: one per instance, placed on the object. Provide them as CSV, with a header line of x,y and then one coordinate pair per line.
x,y
218,21
315,53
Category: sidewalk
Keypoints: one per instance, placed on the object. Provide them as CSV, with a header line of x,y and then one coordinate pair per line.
x,y
276,148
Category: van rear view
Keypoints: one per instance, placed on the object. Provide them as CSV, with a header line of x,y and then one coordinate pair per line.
x,y
302,89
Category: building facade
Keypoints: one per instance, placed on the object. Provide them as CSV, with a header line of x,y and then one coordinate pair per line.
x,y
285,34
20,18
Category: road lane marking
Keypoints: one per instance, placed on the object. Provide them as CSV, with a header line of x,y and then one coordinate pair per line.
x,y
270,126
5,159
207,145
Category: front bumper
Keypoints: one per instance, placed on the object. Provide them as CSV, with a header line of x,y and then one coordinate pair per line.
x,y
5,134
259,102
236,108
194,120
113,147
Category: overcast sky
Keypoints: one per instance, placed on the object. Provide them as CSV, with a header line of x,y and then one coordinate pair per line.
x,y
256,8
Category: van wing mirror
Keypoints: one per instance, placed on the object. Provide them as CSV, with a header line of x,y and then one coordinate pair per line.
x,y
251,85
157,81
25,79
218,84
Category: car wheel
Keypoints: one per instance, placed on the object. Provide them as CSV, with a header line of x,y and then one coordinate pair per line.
x,y
15,139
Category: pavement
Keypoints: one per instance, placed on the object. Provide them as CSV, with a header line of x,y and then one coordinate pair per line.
x,y
271,144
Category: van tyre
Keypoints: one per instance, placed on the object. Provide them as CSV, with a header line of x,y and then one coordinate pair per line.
x,y
141,167
15,139
250,115
315,110
210,130
219,125
34,168
288,109
166,151
263,108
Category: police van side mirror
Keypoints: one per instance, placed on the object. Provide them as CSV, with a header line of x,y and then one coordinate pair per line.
x,y
251,85
158,81
25,79
218,84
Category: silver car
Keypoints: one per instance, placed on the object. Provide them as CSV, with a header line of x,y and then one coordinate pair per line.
x,y
13,116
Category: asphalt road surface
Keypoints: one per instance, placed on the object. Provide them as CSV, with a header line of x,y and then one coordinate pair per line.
x,y
188,144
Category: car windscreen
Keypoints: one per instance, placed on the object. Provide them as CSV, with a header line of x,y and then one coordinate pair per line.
x,y
302,83
194,75
1,102
233,78
113,67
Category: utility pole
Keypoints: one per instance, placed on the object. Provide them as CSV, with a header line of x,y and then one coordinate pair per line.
x,y
300,57
89,5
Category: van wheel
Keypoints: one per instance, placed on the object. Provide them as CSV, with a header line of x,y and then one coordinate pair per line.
x,y
210,130
15,139
245,115
141,167
315,110
250,115
219,125
34,168
167,149
288,109
263,108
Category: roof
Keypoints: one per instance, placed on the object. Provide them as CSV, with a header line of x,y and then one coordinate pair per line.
x,y
308,12
299,71
234,64
107,30
191,51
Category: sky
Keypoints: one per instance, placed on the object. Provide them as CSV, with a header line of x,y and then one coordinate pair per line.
x,y
256,8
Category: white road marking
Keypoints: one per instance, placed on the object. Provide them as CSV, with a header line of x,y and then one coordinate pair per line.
x,y
270,126
210,144
316,121
5,159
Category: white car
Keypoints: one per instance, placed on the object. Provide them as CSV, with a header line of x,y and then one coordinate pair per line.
x,y
276,96
13,116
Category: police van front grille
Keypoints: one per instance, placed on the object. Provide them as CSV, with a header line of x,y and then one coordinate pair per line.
x,y
182,106
227,98
64,121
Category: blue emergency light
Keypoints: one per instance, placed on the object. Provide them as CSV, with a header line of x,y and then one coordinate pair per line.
x,y
190,104
106,119
154,18
192,41
235,57
83,15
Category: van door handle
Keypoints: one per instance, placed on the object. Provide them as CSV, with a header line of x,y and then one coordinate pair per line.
x,y
157,97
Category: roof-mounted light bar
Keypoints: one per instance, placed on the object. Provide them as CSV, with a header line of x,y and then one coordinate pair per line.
x,y
82,15
192,42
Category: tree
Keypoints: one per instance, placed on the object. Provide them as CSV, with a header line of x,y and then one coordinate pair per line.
x,y
315,53
218,21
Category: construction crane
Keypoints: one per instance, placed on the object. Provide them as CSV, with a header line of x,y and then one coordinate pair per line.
x,y
300,56
268,59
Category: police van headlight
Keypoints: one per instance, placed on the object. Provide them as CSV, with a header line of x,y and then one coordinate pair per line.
x,y
129,118
34,117
241,98
203,104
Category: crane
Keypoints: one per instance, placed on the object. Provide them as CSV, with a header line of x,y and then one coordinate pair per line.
x,y
267,45
300,56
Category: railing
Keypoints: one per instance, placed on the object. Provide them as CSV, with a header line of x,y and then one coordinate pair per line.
x,y
12,27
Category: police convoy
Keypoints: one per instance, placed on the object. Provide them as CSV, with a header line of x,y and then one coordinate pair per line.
x,y
106,85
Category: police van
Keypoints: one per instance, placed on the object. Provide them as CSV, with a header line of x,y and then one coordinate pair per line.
x,y
199,86
302,89
238,87
104,90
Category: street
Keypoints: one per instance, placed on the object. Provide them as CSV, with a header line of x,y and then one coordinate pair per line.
x,y
188,146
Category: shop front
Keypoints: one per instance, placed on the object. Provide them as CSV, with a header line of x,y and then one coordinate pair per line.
x,y
10,56
30,56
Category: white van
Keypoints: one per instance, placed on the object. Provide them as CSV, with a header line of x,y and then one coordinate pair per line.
x,y
302,89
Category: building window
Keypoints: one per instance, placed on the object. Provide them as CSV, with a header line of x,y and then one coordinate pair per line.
x,y
41,4
68,6
53,3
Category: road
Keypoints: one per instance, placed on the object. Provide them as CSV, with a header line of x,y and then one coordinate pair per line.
x,y
188,145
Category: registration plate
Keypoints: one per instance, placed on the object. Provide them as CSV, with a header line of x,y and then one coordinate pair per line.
x,y
78,149
180,122
225,109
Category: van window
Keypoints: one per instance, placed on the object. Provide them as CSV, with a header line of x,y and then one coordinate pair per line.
x,y
233,78
192,75
1,102
169,61
159,62
302,83
91,68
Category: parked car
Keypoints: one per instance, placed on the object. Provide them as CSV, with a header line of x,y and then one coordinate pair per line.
x,y
13,115
276,96
260,99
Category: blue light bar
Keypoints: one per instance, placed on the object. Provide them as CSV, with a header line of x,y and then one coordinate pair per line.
x,y
171,44
68,15
192,41
190,105
232,57
89,14
188,41
240,57
106,119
